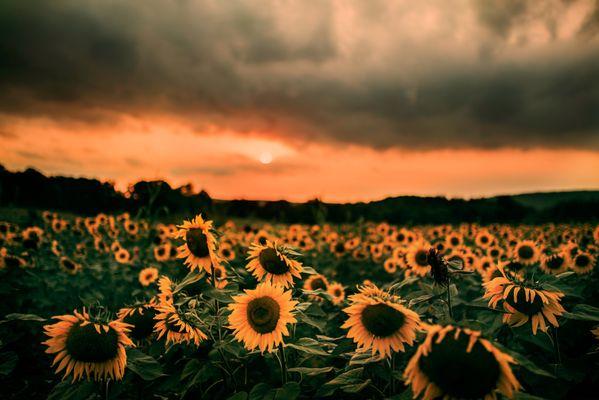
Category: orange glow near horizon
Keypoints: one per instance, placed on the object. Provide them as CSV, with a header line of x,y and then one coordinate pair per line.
x,y
230,165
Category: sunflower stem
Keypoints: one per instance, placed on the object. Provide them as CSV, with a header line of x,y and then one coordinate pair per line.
x,y
449,299
556,351
283,364
392,374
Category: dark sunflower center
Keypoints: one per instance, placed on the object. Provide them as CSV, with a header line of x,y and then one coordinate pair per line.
x,y
494,253
421,258
318,283
525,252
523,306
197,242
263,314
382,320
85,344
460,374
455,241
262,240
401,237
339,248
555,262
514,266
582,261
68,264
484,239
226,252
173,326
272,262
143,323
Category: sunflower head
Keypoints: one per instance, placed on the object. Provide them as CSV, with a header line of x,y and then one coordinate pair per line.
x,y
199,249
259,317
523,302
457,363
273,263
141,320
378,322
583,262
176,327
85,345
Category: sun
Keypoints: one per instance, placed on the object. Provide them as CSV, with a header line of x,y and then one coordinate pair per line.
x,y
265,157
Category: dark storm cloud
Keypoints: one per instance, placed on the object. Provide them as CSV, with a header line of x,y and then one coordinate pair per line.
x,y
355,74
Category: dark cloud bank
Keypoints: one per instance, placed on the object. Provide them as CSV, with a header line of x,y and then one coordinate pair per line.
x,y
255,66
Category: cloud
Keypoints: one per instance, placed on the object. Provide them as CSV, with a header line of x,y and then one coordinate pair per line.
x,y
404,74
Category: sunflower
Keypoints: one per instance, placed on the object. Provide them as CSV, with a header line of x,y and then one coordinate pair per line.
x,y
315,282
454,239
259,317
378,322
220,275
175,326
141,318
484,239
526,252
85,346
582,263
122,255
148,276
69,265
165,286
416,258
456,363
554,263
226,251
522,303
162,252
391,265
199,249
337,292
272,263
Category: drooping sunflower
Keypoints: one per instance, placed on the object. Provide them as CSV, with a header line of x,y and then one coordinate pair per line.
x,y
175,327
259,317
524,303
582,263
273,263
147,276
337,292
85,346
69,266
526,252
199,249
378,322
456,363
141,319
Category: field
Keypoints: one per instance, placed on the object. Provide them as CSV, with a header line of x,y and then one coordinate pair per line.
x,y
117,307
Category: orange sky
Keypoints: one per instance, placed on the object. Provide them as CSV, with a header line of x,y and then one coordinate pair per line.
x,y
230,165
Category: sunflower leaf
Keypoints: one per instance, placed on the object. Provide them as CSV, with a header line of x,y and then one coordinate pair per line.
x,y
23,317
143,365
583,312
525,362
311,371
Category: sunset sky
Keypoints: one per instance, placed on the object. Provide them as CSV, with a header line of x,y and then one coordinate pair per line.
x,y
341,100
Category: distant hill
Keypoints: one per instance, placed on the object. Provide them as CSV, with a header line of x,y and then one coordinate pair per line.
x,y
31,189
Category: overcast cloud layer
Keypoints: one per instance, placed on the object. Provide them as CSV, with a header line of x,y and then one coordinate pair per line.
x,y
421,75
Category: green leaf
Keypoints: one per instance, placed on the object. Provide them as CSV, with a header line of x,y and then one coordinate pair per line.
x,y
143,365
311,371
526,396
239,396
308,349
259,391
219,294
356,387
524,362
290,391
583,312
309,271
191,368
23,317
66,390
363,358
8,361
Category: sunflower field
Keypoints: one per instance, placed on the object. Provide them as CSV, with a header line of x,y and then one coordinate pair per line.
x,y
119,307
